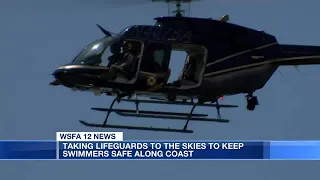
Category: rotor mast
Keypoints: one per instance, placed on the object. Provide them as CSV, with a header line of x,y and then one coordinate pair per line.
x,y
179,12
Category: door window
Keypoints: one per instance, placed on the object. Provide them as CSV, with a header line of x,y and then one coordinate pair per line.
x,y
156,57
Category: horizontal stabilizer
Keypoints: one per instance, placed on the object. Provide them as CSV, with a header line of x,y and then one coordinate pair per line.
x,y
298,55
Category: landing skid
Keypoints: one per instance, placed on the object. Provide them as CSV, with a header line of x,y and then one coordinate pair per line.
x,y
134,127
158,115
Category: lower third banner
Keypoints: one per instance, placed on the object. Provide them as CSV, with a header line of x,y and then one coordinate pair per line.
x,y
161,150
52,150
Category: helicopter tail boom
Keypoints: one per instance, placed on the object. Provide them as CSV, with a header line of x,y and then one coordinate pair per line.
x,y
298,55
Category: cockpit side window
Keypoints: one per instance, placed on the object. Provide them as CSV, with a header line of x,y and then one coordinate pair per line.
x,y
159,56
156,58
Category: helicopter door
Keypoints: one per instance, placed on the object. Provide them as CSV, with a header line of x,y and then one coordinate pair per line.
x,y
154,69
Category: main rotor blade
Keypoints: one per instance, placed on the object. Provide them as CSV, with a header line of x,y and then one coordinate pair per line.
x,y
107,33
69,6
113,3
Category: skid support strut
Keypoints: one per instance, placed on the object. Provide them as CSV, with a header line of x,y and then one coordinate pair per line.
x,y
218,110
189,117
158,115
109,111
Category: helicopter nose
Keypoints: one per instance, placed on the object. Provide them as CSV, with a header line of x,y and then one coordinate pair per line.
x,y
71,76
56,74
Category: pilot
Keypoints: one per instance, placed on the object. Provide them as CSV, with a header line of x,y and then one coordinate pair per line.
x,y
126,65
116,54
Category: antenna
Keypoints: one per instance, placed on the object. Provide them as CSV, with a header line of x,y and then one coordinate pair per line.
x,y
179,12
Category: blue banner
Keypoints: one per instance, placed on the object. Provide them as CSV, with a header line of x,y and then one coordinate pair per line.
x,y
28,150
294,150
51,150
161,150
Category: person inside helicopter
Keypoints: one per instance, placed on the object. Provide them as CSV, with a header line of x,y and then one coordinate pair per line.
x,y
116,54
188,73
190,69
126,65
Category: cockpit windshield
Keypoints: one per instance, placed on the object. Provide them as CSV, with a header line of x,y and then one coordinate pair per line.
x,y
92,54
110,50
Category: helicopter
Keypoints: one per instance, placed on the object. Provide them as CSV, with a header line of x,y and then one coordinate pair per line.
x,y
225,59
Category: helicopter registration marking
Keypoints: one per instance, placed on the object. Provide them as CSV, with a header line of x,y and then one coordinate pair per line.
x,y
160,33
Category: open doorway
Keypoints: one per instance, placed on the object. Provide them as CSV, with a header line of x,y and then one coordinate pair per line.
x,y
188,63
176,64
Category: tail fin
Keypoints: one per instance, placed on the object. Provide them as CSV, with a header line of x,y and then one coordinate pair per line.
x,y
298,55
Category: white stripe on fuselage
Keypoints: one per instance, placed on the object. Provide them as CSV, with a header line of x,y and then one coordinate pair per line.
x,y
240,53
259,64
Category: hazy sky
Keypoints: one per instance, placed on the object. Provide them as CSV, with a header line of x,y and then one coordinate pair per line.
x,y
36,36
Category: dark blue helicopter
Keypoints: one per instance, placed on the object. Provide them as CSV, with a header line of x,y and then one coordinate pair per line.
x,y
222,59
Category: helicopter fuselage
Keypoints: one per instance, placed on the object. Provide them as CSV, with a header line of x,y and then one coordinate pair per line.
x,y
236,59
